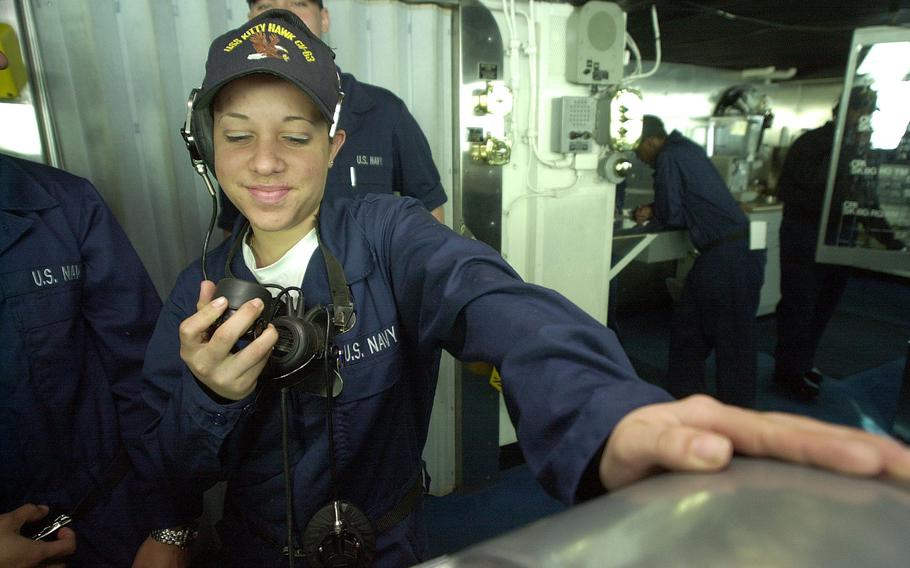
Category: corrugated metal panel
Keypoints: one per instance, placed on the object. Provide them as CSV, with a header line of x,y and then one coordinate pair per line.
x,y
118,75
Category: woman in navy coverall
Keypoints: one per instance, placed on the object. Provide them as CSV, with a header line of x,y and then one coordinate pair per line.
x,y
585,420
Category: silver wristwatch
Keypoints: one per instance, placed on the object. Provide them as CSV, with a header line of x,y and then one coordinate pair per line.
x,y
180,537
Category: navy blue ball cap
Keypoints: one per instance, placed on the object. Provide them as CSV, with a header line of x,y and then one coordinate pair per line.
x,y
278,43
651,127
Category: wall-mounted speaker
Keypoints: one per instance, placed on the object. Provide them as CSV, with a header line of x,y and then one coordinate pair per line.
x,y
596,35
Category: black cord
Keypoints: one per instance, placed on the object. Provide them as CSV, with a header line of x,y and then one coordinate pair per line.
x,y
285,447
208,234
288,488
285,292
329,397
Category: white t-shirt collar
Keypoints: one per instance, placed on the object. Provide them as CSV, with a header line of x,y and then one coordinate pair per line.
x,y
288,270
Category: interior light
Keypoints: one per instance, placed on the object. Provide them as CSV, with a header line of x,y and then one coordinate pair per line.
x,y
626,112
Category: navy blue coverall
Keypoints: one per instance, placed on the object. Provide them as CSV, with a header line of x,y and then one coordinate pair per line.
x,y
384,151
721,293
417,288
809,290
78,309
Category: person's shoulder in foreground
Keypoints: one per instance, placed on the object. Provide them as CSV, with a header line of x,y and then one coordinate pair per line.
x,y
84,308
54,179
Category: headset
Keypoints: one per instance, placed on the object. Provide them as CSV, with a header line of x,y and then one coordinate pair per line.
x,y
302,333
339,534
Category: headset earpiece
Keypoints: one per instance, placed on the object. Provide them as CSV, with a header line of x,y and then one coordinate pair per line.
x,y
300,340
202,126
301,336
238,292
197,134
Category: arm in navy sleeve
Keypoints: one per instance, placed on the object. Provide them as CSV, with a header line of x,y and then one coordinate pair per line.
x,y
120,305
668,190
416,174
119,301
187,429
566,380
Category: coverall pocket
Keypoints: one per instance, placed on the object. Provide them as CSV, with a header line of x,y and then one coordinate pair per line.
x,y
369,179
371,378
54,338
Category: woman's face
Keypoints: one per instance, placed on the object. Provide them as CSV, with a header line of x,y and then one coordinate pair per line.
x,y
272,153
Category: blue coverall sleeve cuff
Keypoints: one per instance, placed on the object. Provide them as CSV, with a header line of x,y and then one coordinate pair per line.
x,y
434,198
587,483
212,416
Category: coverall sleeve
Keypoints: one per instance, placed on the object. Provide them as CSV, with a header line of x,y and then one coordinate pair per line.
x,y
566,380
120,305
668,192
187,428
119,300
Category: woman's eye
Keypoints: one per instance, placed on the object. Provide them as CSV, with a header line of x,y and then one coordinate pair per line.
x,y
236,138
297,140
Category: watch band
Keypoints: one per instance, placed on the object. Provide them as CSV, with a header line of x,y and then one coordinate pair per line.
x,y
180,537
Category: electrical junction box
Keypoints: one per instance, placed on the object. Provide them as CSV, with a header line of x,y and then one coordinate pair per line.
x,y
596,35
14,77
573,125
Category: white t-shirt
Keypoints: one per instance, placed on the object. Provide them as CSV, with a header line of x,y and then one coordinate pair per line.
x,y
288,270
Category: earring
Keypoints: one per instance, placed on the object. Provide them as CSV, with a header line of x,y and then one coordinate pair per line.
x,y
331,163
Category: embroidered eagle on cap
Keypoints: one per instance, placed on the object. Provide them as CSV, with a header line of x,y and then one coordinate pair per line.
x,y
266,45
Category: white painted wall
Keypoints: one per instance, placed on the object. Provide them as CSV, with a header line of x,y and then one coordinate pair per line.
x,y
556,221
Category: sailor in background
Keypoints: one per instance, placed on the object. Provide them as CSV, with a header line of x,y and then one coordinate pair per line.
x,y
811,290
719,300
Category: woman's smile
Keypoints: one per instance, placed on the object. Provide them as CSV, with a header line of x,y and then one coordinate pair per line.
x,y
268,194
